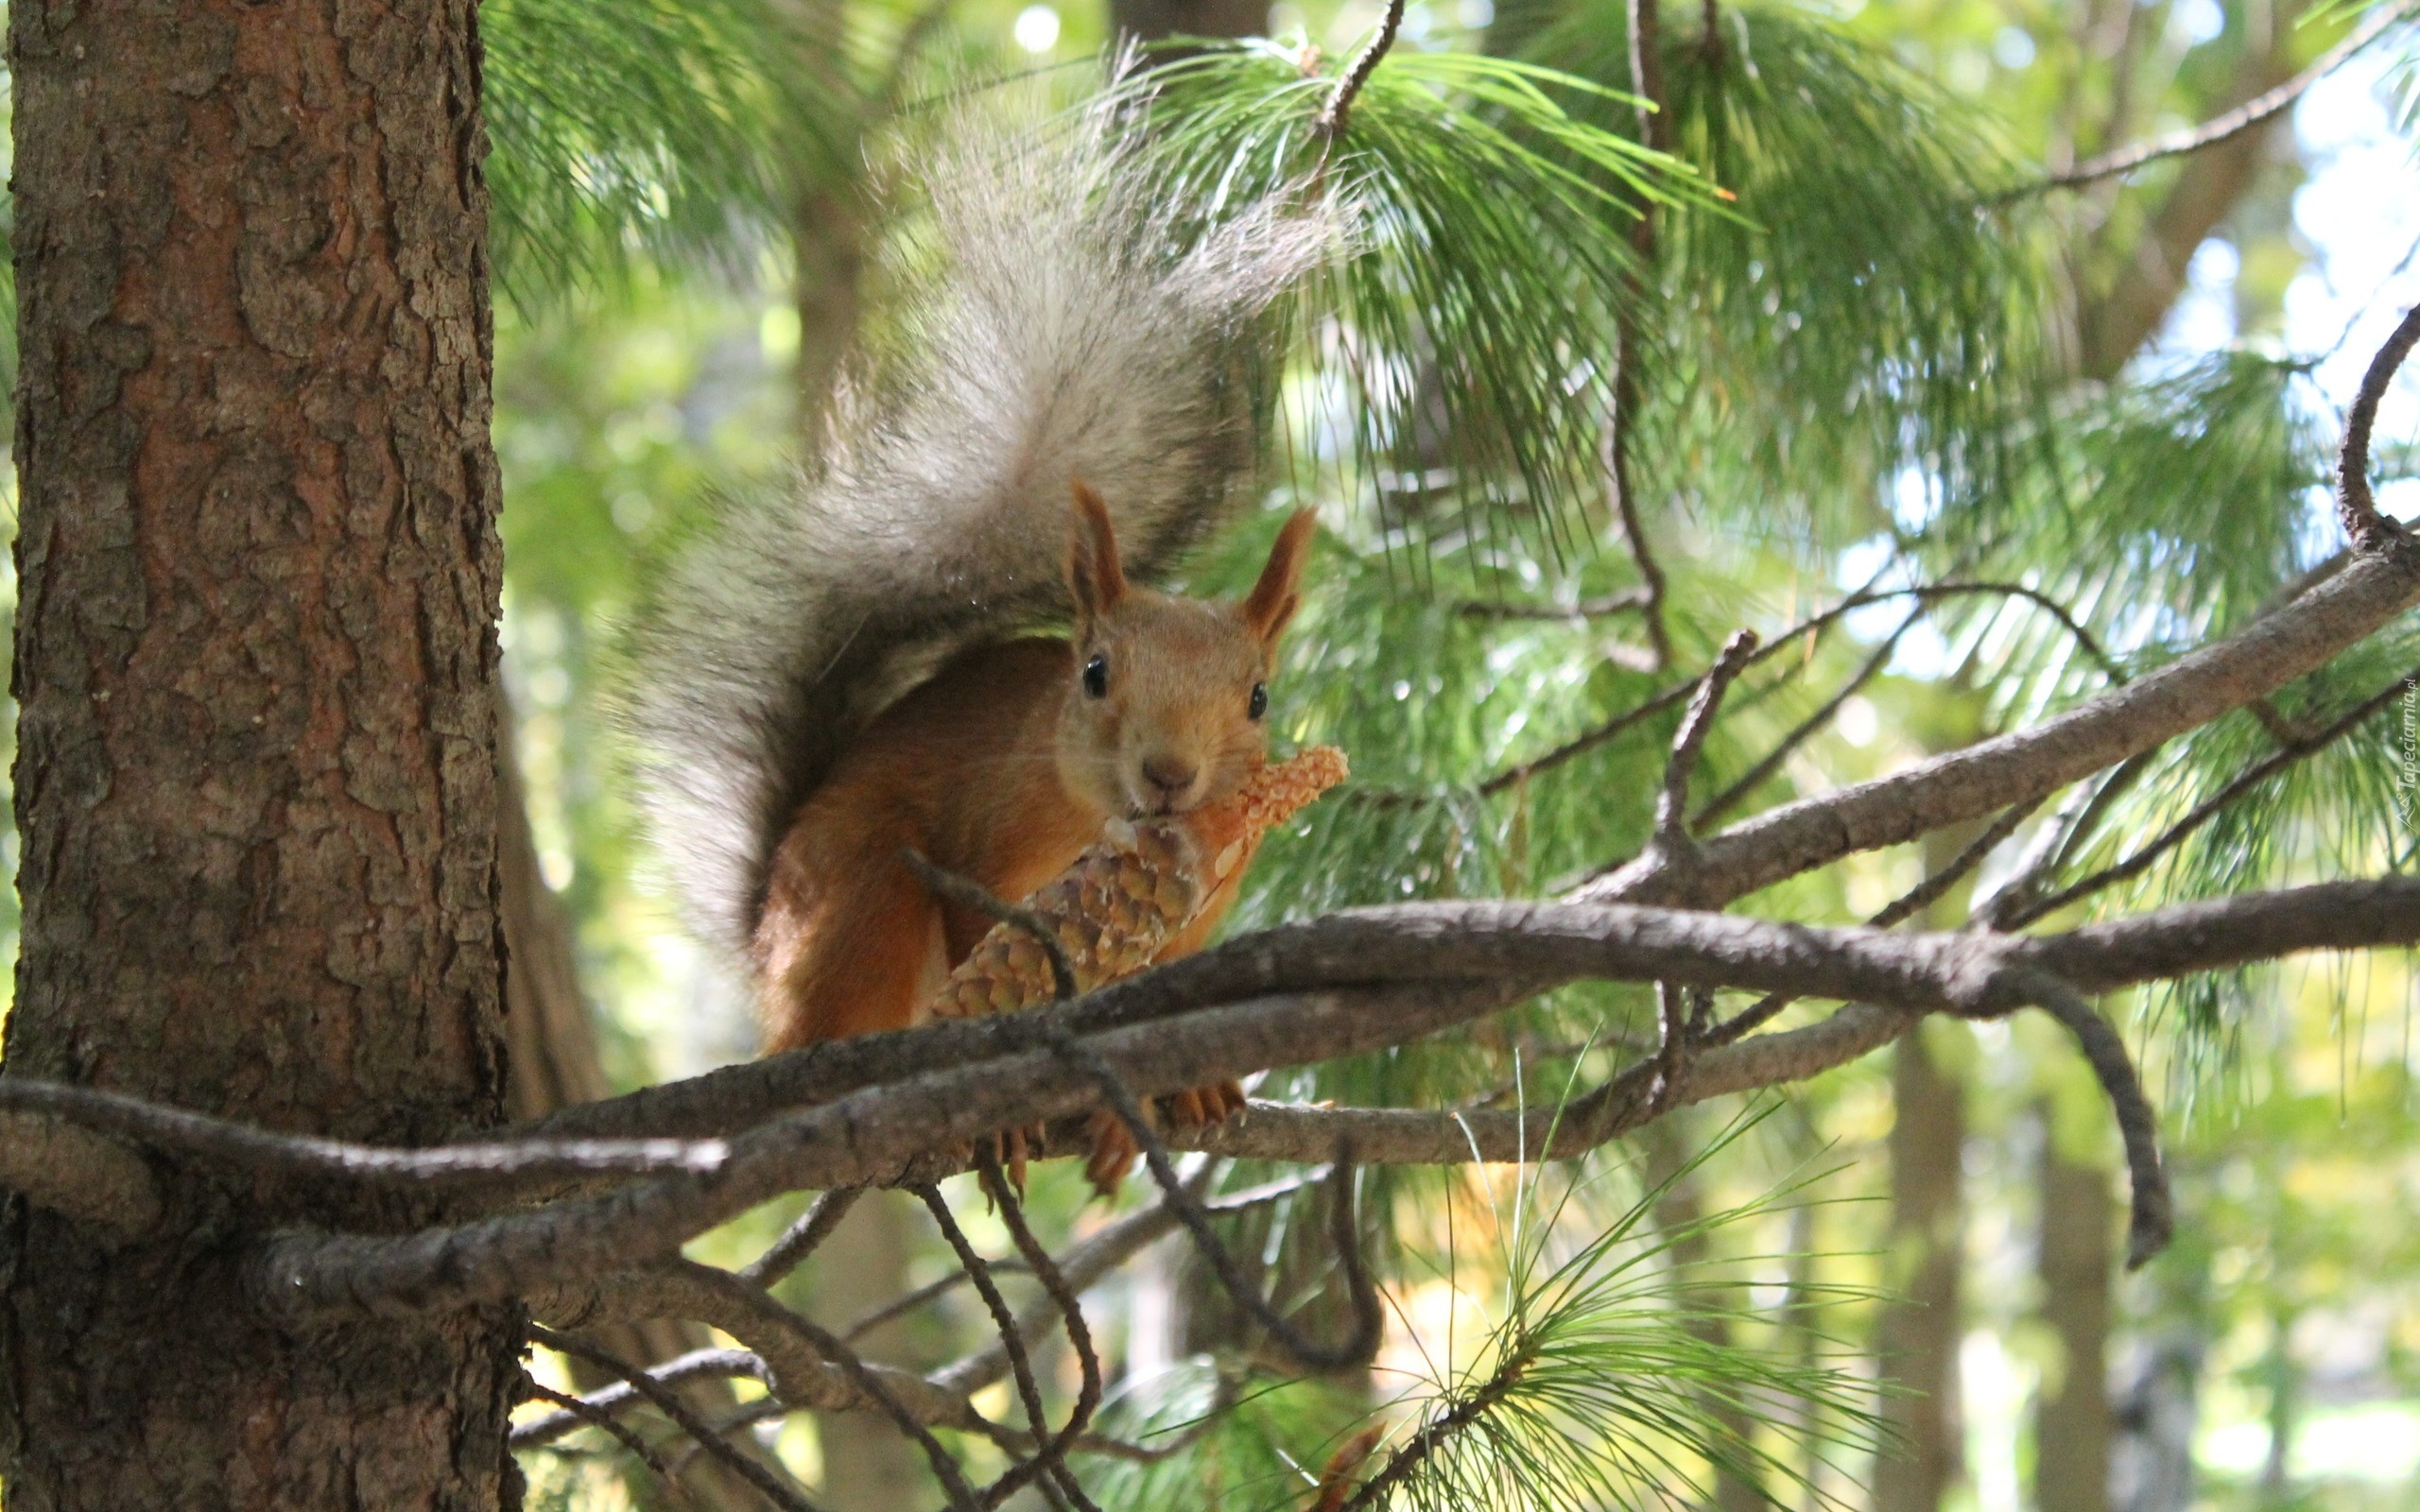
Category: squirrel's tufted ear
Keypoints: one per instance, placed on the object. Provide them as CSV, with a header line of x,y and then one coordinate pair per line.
x,y
1095,576
1273,599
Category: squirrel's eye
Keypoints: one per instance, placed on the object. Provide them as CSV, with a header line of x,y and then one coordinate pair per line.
x,y
1097,678
1259,699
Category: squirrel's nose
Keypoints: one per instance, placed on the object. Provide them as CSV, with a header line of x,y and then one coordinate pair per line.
x,y
1171,776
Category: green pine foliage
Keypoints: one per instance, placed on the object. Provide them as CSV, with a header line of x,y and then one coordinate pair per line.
x,y
662,131
1582,1362
1452,363
1857,311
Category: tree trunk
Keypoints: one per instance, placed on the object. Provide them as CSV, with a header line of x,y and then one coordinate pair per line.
x,y
2072,1423
866,1462
554,1061
830,235
1918,1336
2284,1381
254,663
2151,1465
2113,324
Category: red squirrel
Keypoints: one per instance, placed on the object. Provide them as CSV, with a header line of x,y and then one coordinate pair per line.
x,y
1002,768
867,660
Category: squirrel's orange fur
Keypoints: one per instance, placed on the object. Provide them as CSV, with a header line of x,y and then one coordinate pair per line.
x,y
1003,768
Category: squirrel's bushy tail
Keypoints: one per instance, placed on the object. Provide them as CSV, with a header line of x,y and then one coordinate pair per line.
x,y
1055,332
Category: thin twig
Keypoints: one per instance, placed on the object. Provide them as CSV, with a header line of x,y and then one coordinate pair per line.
x,y
1613,454
1914,901
1434,1434
698,1365
2356,507
763,1410
621,1433
762,1304
668,1403
1626,601
1688,741
1665,697
436,1168
908,1302
1929,892
2154,1215
2219,128
2203,813
1369,1318
1513,776
812,1227
1116,1243
1730,798
1071,1311
1672,1048
1043,1463
968,893
2069,830
1332,117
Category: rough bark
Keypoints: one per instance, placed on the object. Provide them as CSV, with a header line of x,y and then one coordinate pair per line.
x,y
260,573
2072,1423
1918,1334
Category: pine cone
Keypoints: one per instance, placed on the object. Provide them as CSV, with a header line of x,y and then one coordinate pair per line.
x,y
1131,892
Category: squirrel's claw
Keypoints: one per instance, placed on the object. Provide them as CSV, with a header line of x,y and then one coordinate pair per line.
x,y
1113,1151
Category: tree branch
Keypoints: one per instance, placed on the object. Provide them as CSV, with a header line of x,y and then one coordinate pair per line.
x,y
1989,775
1369,1318
2153,1212
2355,506
1688,741
1413,970
2019,915
810,1367
488,1165
1045,1459
698,1365
1730,798
814,1225
1332,117
75,1172
664,1401
2222,127
580,1413
1071,1313
1094,1258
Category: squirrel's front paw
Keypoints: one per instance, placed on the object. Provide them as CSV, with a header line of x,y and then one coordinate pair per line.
x,y
1197,1105
1113,1151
